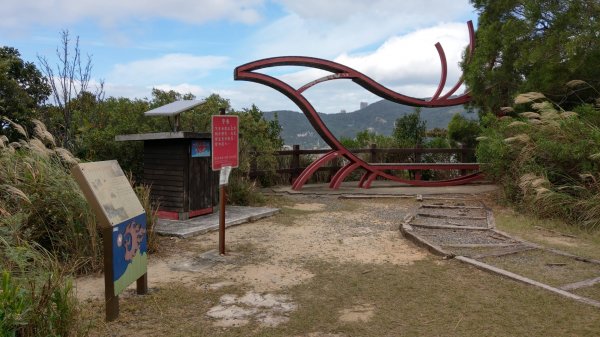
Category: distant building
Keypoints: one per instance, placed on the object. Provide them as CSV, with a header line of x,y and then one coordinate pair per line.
x,y
363,105
343,111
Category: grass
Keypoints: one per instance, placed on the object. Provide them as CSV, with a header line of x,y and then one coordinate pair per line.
x,y
546,267
592,292
428,298
431,297
578,241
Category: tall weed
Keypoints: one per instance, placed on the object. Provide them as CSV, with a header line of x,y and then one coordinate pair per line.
x,y
36,297
41,203
547,160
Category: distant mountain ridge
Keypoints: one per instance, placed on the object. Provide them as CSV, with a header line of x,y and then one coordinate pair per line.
x,y
378,117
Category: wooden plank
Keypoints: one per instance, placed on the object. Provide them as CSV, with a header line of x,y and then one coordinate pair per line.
x,y
166,153
426,166
168,194
152,157
517,249
169,188
581,284
379,150
516,277
473,228
174,172
171,208
437,216
478,245
451,207
164,163
408,232
157,178
177,206
163,182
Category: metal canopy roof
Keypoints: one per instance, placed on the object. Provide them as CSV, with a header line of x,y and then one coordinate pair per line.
x,y
173,109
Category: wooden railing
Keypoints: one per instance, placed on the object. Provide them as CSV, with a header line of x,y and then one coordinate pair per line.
x,y
374,155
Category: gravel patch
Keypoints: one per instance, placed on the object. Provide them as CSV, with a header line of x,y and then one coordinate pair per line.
x,y
453,202
454,212
448,237
427,221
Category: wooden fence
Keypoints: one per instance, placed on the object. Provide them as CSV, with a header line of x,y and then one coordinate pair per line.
x,y
374,155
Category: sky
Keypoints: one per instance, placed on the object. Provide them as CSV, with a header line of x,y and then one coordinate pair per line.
x,y
194,46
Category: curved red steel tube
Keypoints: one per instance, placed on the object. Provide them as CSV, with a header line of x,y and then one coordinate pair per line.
x,y
247,72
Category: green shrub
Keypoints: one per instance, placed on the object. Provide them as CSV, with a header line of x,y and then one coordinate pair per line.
x,y
41,203
547,160
36,294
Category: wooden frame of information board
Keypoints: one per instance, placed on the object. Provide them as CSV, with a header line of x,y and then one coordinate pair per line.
x,y
122,220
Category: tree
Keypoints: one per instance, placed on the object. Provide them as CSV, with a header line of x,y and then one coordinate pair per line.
x,y
463,130
69,80
533,45
23,88
410,130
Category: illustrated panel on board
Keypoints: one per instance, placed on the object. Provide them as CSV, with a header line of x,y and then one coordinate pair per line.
x,y
130,252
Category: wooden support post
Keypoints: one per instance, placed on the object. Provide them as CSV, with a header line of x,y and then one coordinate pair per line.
x,y
295,164
222,220
463,158
222,200
112,301
373,151
142,285
418,160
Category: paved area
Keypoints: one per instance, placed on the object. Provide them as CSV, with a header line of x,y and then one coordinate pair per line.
x,y
384,188
234,215
464,229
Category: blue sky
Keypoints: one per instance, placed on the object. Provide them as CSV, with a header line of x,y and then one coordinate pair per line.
x,y
193,46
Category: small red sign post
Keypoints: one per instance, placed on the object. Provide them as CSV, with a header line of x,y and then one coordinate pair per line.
x,y
225,156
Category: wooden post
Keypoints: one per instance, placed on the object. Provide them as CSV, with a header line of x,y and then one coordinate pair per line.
x,y
295,164
142,284
463,157
418,160
373,150
112,301
222,219
222,210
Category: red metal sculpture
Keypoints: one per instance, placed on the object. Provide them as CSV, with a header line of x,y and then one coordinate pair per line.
x,y
247,72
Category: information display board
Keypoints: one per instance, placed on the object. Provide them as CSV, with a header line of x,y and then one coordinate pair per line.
x,y
123,219
108,191
225,141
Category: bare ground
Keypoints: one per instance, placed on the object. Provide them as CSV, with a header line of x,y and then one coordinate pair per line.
x,y
324,267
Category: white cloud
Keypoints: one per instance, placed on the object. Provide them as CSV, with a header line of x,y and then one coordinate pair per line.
x,y
185,88
375,10
170,68
145,91
408,64
412,59
329,28
17,14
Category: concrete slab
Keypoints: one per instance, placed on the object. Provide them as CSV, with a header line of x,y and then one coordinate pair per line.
x,y
381,189
234,215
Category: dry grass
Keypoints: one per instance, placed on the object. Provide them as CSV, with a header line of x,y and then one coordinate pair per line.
x,y
574,240
430,297
592,292
546,267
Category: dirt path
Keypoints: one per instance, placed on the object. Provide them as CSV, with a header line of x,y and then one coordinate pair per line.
x,y
323,267
267,256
